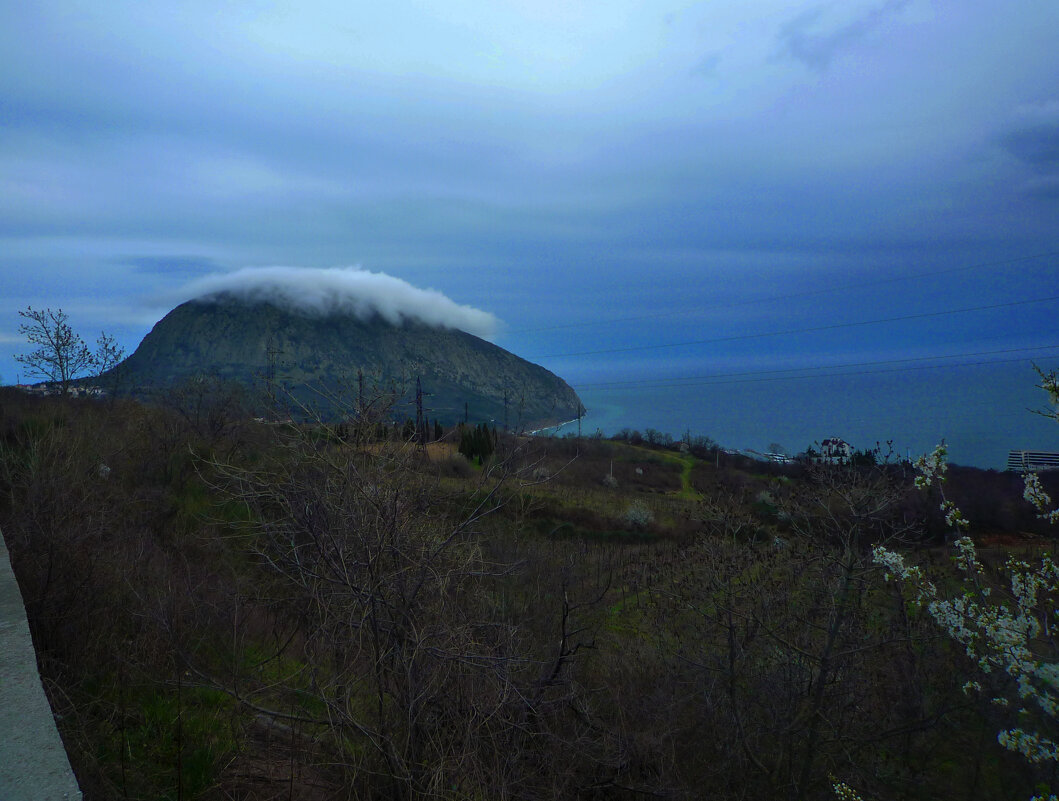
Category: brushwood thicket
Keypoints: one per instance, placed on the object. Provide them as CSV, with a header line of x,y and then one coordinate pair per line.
x,y
231,608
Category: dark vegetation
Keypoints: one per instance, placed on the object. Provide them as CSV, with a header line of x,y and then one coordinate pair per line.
x,y
231,609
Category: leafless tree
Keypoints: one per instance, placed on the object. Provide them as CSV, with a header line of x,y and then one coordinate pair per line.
x,y
108,352
108,356
777,622
424,690
60,354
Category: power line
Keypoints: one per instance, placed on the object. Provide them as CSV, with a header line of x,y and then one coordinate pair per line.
x,y
692,379
707,382
793,296
813,329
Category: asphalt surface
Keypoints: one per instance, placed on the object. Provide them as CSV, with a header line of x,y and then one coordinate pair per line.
x,y
33,761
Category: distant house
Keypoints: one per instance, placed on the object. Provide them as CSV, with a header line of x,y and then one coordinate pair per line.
x,y
1032,461
834,450
778,458
35,389
74,391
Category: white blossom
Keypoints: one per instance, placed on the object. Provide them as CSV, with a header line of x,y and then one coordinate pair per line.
x,y
1001,634
1034,747
1050,384
1035,494
931,468
843,791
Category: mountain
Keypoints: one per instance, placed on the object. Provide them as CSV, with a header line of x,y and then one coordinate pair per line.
x,y
314,356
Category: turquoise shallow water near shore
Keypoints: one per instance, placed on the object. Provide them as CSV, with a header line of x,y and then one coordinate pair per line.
x,y
981,411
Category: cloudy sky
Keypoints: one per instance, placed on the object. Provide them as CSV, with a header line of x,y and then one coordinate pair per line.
x,y
635,189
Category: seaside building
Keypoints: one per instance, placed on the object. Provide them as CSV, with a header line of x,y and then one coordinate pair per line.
x,y
834,450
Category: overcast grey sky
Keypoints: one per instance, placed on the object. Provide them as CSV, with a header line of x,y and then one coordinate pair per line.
x,y
552,163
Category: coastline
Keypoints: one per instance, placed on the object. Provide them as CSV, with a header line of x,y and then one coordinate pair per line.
x,y
555,426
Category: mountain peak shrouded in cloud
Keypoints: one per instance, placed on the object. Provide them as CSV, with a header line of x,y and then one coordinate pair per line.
x,y
342,290
313,331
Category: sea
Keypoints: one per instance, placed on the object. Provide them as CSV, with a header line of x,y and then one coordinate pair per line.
x,y
981,412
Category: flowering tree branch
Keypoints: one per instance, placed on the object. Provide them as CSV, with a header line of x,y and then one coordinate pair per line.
x,y
1009,633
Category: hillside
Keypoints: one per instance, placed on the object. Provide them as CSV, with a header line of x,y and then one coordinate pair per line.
x,y
257,611
317,356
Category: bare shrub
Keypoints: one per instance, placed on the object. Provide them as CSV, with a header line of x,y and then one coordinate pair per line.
x,y
425,691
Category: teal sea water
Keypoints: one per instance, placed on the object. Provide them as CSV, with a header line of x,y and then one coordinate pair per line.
x,y
981,411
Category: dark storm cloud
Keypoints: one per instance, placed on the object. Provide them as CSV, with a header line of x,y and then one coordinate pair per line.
x,y
1036,146
1046,188
1032,138
523,158
172,265
708,66
810,39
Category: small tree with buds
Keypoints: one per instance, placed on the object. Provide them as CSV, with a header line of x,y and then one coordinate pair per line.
x,y
1008,632
60,354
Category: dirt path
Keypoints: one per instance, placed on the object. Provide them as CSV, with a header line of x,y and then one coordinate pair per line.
x,y
687,464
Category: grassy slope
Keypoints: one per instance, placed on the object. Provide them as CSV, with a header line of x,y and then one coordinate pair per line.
x,y
128,578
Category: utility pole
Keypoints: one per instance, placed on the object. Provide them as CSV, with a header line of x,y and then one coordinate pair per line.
x,y
505,411
420,425
360,394
271,352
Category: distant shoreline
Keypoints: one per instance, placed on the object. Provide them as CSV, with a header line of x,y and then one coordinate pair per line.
x,y
557,426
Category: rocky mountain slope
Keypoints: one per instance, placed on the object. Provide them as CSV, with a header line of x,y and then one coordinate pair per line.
x,y
311,357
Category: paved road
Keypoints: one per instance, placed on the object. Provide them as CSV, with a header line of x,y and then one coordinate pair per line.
x,y
33,762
